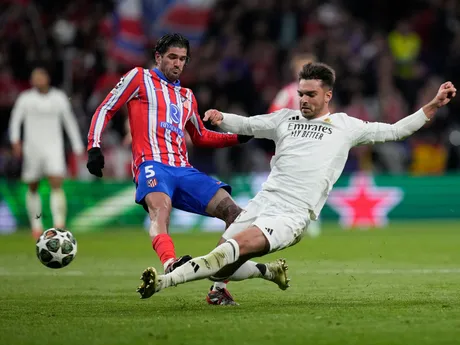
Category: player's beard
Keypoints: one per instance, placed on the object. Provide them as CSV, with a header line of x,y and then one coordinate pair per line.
x,y
173,74
309,112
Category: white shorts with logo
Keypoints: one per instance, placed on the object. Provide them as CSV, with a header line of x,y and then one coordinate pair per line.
x,y
282,224
36,165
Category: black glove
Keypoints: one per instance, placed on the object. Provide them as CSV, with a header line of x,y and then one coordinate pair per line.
x,y
244,138
95,161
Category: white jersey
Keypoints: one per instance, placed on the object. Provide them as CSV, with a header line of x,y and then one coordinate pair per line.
x,y
311,154
44,116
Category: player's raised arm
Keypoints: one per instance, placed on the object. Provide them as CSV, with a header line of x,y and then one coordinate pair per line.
x,y
260,126
372,132
71,126
124,91
203,137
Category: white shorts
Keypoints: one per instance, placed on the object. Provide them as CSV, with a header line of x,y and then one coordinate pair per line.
x,y
37,165
282,225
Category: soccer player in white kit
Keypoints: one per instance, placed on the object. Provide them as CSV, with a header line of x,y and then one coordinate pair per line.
x,y
44,111
288,97
311,150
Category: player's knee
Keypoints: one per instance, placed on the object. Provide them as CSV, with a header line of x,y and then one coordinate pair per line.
x,y
252,242
33,187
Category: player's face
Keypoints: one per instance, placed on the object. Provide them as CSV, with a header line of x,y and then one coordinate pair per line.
x,y
172,63
40,79
314,98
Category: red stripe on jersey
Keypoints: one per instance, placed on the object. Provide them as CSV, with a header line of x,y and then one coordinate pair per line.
x,y
161,117
174,135
140,125
125,90
186,95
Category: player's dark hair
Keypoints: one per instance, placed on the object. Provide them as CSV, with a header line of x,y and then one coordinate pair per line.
x,y
320,71
172,40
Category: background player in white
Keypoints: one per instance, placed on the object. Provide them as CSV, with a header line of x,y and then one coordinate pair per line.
x,y
312,146
43,110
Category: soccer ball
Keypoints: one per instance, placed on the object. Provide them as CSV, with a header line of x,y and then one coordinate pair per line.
x,y
56,248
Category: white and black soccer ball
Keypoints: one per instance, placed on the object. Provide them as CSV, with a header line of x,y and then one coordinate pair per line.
x,y
56,248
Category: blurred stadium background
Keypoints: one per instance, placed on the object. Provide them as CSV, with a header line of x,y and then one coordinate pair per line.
x,y
390,57
398,286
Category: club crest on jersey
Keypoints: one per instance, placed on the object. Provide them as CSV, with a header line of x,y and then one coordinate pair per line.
x,y
174,113
186,102
152,182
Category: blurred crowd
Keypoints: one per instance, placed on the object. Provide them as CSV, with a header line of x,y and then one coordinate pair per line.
x,y
390,58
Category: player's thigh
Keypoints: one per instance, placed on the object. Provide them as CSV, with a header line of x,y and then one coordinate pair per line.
x,y
282,230
155,182
32,168
196,190
54,164
244,220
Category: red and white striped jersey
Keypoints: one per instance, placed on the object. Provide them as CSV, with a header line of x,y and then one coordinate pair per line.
x,y
159,112
287,97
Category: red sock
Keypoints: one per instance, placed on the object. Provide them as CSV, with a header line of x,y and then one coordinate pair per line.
x,y
164,246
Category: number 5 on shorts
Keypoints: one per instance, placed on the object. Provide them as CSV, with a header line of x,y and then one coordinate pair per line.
x,y
149,172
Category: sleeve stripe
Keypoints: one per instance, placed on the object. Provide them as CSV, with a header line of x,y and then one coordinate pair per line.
x,y
109,105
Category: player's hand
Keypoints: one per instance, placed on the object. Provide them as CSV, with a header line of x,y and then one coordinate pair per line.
x,y
17,150
446,92
213,115
95,161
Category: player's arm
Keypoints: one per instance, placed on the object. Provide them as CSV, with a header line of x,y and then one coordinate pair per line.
x,y
71,126
203,137
260,126
17,117
123,92
375,132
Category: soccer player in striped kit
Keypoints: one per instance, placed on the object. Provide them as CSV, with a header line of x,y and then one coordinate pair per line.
x,y
160,111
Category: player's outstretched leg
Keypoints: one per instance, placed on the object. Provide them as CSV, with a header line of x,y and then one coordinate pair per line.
x,y
275,271
197,268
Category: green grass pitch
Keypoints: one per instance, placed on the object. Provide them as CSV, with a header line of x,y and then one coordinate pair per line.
x,y
394,286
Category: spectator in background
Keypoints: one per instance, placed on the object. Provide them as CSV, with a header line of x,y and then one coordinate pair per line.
x,y
405,47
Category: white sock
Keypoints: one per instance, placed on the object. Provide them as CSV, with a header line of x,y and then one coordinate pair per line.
x,y
250,269
58,207
219,285
203,266
314,228
34,210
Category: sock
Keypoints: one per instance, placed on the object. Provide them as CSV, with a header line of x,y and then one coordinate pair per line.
x,y
203,266
220,285
164,247
58,207
34,210
251,269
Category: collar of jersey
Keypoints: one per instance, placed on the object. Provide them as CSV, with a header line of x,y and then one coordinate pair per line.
x,y
322,117
162,76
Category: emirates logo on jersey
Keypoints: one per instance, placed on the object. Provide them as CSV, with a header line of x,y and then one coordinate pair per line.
x,y
174,113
